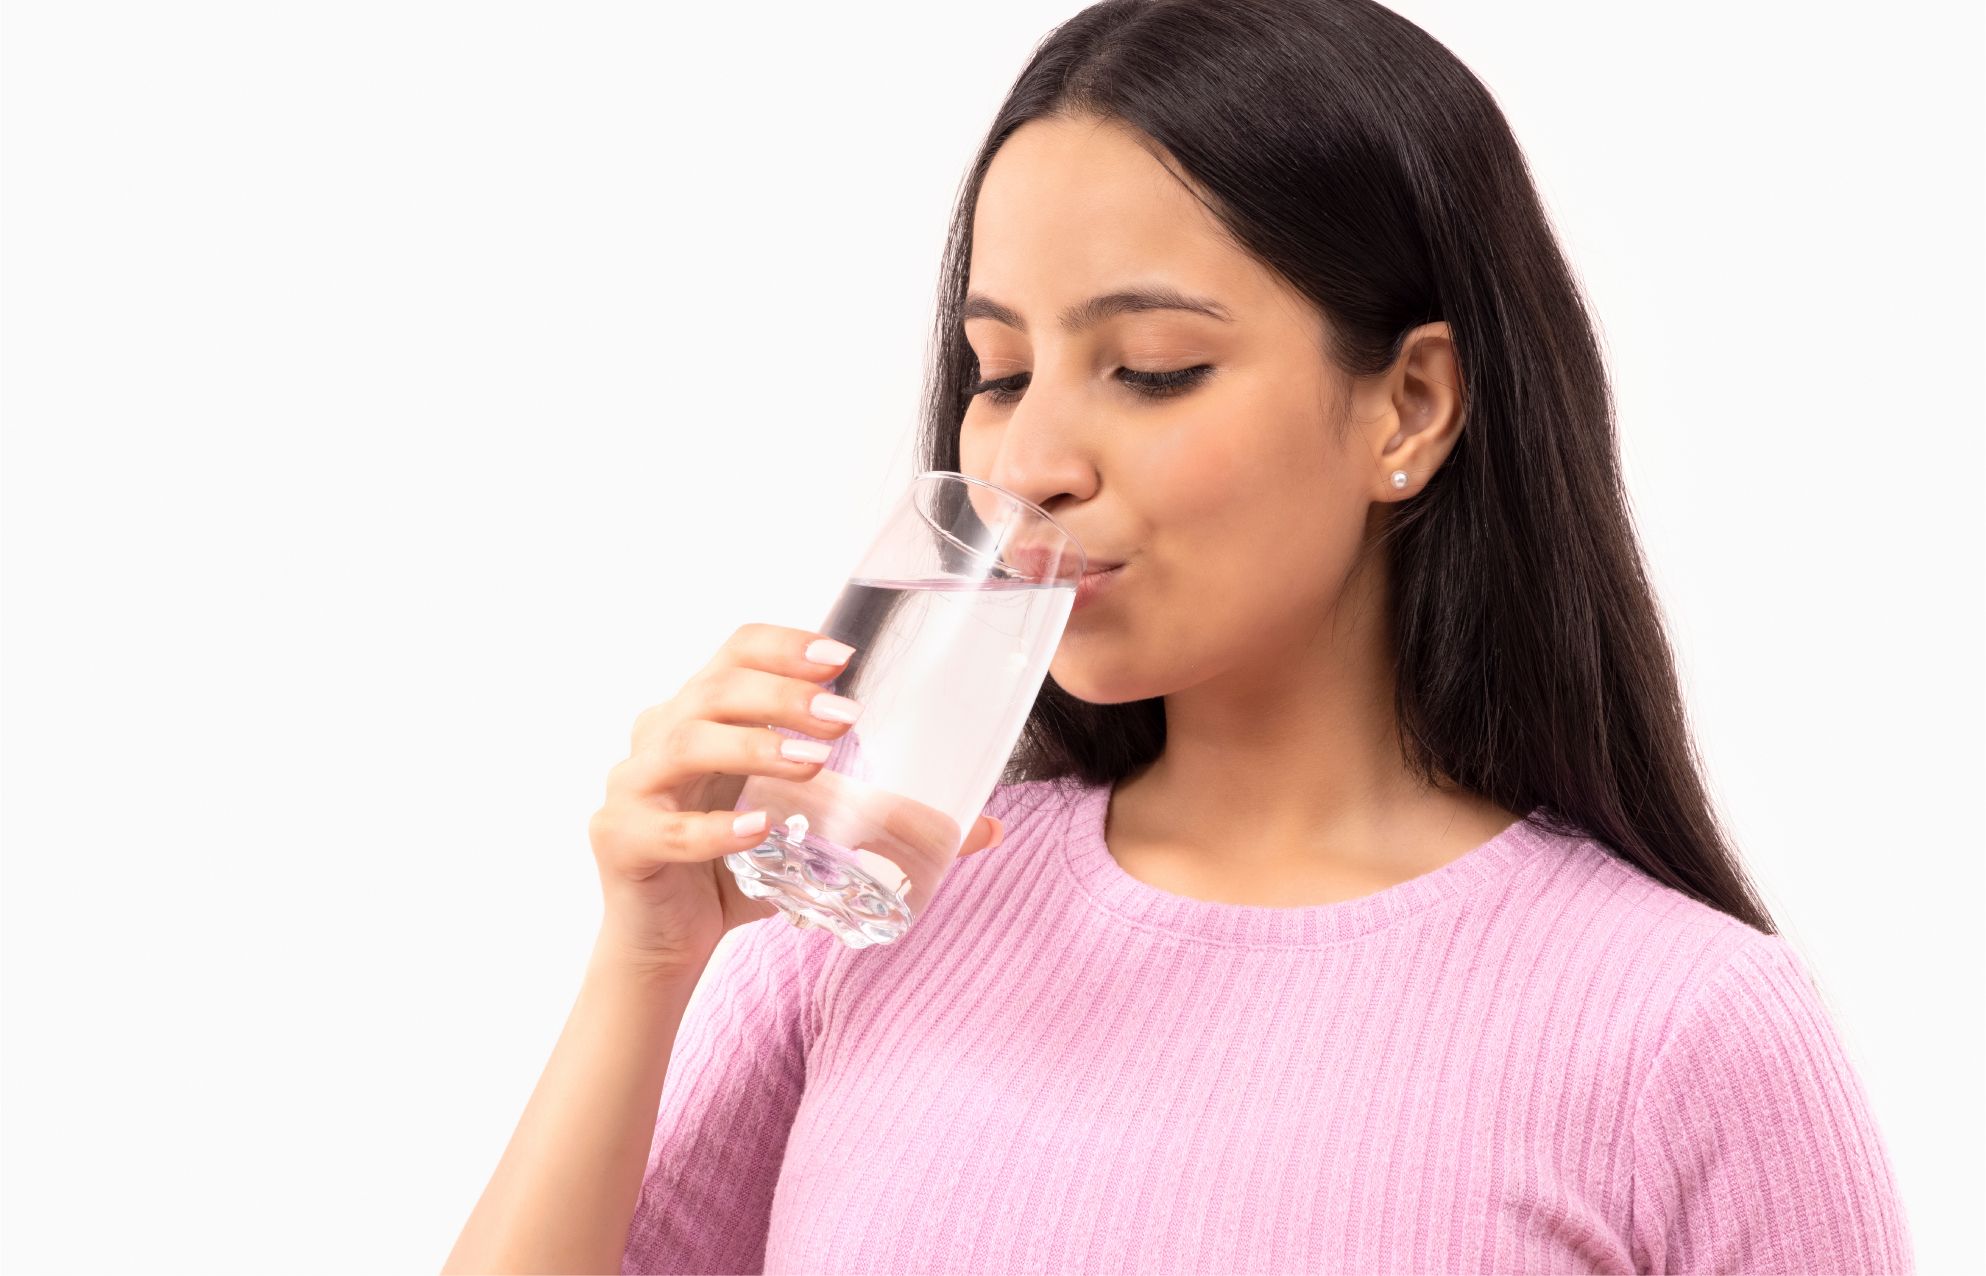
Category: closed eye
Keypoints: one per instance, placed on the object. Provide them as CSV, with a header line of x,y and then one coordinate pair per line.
x,y
1153,385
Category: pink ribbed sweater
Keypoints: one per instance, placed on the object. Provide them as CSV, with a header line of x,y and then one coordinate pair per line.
x,y
1532,1059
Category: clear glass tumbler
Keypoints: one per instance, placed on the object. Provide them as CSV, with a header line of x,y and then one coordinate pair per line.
x,y
955,613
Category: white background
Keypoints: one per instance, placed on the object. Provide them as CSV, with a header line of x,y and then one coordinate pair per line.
x,y
400,396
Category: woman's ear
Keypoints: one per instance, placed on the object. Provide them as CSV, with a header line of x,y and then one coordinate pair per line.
x,y
1415,410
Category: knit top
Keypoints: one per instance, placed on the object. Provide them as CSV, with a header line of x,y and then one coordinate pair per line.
x,y
1534,1058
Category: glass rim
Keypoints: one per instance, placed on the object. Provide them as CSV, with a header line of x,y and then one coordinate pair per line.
x,y
1017,499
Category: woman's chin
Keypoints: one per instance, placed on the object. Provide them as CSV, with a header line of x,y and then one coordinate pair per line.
x,y
1098,681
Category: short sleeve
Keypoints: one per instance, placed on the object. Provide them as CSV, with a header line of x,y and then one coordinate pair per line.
x,y
1754,1147
736,1074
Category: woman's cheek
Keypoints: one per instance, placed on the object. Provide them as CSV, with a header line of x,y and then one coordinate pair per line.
x,y
976,445
1206,478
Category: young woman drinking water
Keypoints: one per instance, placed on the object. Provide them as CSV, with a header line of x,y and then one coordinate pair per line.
x,y
1360,906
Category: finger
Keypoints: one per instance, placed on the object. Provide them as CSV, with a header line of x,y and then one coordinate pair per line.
x,y
987,833
637,841
754,697
697,747
799,655
796,653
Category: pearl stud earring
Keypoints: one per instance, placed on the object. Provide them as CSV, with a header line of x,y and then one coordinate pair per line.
x,y
1399,478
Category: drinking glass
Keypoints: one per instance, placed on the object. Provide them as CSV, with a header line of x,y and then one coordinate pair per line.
x,y
955,613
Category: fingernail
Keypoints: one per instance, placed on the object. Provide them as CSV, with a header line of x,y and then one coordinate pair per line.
x,y
804,750
749,822
832,708
999,833
826,651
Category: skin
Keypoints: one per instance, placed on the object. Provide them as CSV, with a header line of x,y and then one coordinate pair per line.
x,y
1240,505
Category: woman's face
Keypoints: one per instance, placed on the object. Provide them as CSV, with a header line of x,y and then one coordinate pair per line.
x,y
1236,506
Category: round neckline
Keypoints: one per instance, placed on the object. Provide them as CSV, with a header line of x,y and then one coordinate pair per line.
x,y
1098,873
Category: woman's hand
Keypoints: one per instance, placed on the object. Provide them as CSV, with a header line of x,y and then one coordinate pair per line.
x,y
660,838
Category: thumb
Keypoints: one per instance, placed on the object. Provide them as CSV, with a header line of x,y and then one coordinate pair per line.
x,y
987,833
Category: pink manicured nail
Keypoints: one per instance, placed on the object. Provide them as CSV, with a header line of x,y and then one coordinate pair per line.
x,y
826,651
804,750
832,708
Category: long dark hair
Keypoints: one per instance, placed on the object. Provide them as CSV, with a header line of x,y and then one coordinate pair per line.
x,y
1352,153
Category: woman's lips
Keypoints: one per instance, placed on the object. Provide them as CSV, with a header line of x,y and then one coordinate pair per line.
x,y
1045,562
1093,583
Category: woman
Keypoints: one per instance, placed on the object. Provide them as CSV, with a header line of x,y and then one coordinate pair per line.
x,y
1360,907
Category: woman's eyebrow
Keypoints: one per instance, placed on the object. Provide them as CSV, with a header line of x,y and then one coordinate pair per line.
x,y
1097,309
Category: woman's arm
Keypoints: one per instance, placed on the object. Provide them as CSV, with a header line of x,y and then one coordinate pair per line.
x,y
1754,1146
564,1192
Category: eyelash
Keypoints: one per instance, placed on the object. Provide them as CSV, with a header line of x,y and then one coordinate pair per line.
x,y
1154,385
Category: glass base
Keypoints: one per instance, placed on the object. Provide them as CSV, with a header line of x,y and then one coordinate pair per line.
x,y
816,887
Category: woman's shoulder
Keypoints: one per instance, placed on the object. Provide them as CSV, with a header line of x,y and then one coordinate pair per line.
x,y
1653,955
1590,891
